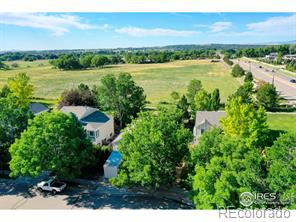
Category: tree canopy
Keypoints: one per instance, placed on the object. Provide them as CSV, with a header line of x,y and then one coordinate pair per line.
x,y
82,96
99,61
237,71
67,62
53,141
192,89
244,120
281,159
207,101
233,167
13,120
267,96
21,89
122,96
153,145
245,91
248,77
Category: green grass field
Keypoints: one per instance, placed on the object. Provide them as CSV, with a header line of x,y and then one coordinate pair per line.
x,y
158,80
286,122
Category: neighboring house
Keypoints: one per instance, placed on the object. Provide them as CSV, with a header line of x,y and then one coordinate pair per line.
x,y
272,56
99,126
38,108
204,120
112,164
290,57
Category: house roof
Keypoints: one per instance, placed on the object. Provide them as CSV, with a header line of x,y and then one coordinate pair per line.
x,y
96,117
90,117
212,117
38,108
114,159
78,111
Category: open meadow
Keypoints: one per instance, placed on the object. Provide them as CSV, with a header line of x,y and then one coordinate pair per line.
x,y
158,80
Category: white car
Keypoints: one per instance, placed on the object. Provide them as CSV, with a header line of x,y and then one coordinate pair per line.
x,y
51,185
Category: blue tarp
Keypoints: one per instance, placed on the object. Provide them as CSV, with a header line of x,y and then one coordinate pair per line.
x,y
114,159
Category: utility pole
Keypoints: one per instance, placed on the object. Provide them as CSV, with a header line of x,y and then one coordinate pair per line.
x,y
273,78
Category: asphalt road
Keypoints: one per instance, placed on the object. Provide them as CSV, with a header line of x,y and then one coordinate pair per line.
x,y
281,81
18,195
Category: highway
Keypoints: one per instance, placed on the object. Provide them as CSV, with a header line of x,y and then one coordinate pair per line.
x,y
282,82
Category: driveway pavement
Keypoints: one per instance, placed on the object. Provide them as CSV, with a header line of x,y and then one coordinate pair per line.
x,y
17,195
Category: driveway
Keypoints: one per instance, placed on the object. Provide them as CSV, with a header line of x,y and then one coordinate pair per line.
x,y
18,195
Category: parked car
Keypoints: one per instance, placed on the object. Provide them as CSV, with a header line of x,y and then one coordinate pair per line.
x,y
51,185
266,70
272,70
293,80
260,67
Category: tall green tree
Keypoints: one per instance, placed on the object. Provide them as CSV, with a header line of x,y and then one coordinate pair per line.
x,y
122,96
281,159
53,141
81,96
183,105
268,97
13,120
67,62
237,71
203,100
233,168
245,91
85,60
215,99
244,120
21,89
152,147
99,61
192,89
248,77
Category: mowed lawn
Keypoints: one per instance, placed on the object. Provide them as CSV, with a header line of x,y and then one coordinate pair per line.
x,y
158,80
283,121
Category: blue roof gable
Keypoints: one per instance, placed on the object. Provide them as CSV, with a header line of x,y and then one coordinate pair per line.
x,y
96,117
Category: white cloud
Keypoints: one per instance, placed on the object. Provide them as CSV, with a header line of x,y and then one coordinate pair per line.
x,y
280,26
220,26
142,32
104,27
57,24
200,25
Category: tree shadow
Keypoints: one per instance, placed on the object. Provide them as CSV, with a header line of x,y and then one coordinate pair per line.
x,y
104,201
10,187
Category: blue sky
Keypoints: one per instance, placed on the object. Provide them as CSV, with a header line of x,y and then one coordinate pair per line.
x,y
36,31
